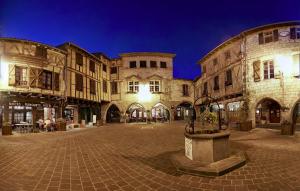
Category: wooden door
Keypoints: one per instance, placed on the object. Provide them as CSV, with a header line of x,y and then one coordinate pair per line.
x,y
274,115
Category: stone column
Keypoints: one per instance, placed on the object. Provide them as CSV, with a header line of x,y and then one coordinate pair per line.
x,y
6,128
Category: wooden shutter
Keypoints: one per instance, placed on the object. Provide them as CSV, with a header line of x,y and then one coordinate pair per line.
x,y
292,33
40,78
12,75
260,38
33,77
56,81
296,63
275,35
256,71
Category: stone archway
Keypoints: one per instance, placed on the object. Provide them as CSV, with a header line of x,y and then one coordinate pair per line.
x,y
136,113
160,113
267,113
184,110
295,117
113,114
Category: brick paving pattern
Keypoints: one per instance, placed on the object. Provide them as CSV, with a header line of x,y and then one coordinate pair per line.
x,y
137,157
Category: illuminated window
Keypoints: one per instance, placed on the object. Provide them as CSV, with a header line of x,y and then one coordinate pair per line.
x,y
154,86
21,76
133,86
268,36
268,69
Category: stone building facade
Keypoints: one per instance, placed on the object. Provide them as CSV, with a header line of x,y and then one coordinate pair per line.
x,y
143,88
41,81
257,70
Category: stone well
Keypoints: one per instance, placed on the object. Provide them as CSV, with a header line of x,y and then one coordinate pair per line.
x,y
207,148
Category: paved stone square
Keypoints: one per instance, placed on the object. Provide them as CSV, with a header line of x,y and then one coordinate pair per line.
x,y
137,157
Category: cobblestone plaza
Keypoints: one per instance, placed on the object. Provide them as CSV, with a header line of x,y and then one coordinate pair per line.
x,y
137,157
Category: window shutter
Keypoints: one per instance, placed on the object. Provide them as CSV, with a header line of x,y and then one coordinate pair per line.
x,y
56,81
33,75
256,71
292,33
296,62
261,38
275,35
40,78
12,75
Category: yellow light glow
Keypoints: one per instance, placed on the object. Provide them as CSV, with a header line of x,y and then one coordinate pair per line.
x,y
144,94
3,73
285,63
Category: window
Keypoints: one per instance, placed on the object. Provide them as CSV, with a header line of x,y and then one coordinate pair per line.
x,y
268,69
79,59
104,68
21,76
41,52
114,87
104,86
216,83
56,81
79,82
215,61
295,33
256,71
132,64
227,55
205,90
185,90
143,64
267,37
163,64
113,70
228,80
92,87
92,66
153,64
154,86
47,80
133,86
203,69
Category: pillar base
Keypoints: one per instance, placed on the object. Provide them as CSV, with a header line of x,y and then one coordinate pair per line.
x,y
6,129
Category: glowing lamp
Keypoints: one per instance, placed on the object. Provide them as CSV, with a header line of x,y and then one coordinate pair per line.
x,y
3,73
144,94
285,64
